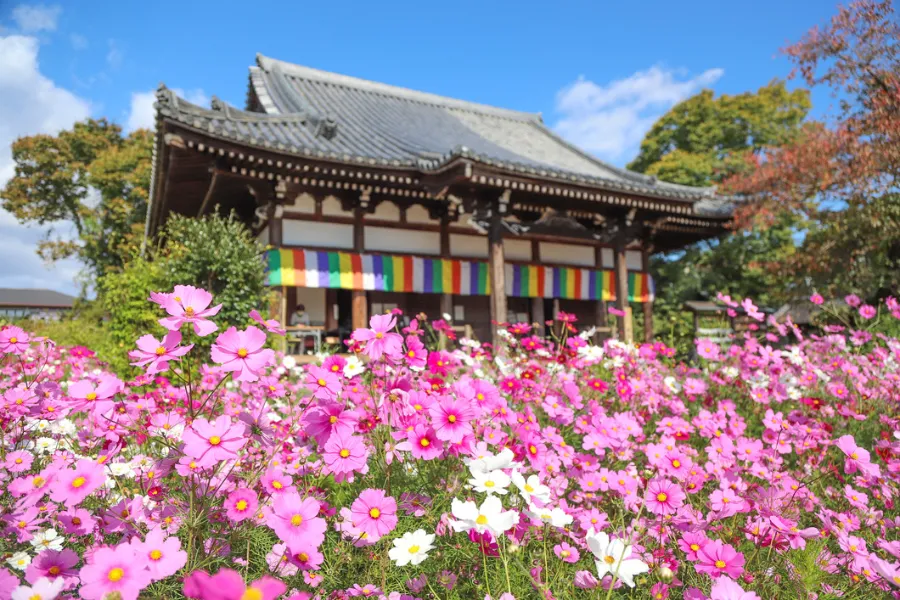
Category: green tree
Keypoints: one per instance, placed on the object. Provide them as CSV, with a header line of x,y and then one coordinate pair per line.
x,y
91,177
703,140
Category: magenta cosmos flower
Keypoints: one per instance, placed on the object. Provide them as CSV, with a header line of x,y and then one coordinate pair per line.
x,y
188,304
374,513
162,555
241,504
867,311
422,442
379,338
271,325
208,443
328,418
242,352
52,564
72,486
296,521
324,384
229,585
156,354
451,418
111,570
663,497
717,558
14,340
344,454
96,398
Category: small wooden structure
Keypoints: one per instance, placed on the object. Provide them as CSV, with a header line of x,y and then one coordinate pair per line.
x,y
712,321
374,197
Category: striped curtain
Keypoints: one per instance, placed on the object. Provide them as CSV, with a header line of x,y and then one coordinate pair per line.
x,y
397,273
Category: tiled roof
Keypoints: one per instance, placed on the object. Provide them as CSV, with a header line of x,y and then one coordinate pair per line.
x,y
335,117
15,297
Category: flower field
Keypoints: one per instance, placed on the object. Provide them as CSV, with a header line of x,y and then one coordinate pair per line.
x,y
548,468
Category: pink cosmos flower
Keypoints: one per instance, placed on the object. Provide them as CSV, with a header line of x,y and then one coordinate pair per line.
x,y
344,455
188,304
77,521
867,311
717,558
328,418
852,300
95,398
422,442
324,384
275,481
858,458
24,523
241,504
379,338
271,325
156,354
242,352
208,443
114,570
663,497
566,553
451,418
229,585
296,521
18,461
725,502
691,543
725,588
162,555
72,486
14,340
51,564
374,513
817,299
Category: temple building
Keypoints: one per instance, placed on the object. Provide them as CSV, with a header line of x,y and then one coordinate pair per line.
x,y
373,197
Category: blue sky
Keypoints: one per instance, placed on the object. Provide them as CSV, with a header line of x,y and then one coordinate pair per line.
x,y
600,72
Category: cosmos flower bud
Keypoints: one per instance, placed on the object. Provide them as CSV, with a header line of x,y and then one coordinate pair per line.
x,y
665,574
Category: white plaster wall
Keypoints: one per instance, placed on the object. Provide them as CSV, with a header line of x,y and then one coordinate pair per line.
x,y
567,254
315,233
331,207
385,239
468,246
263,237
419,214
517,250
386,211
608,257
304,203
633,260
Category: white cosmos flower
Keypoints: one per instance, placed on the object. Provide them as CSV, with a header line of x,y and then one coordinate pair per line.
x,y
492,462
531,488
121,469
19,561
289,362
43,589
412,548
48,539
492,482
490,516
353,367
556,517
613,557
45,445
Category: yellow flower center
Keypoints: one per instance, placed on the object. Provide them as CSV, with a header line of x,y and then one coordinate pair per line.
x,y
676,463
374,513
22,524
297,520
242,352
252,594
424,442
18,461
344,453
91,396
277,485
481,520
609,559
854,456
695,547
78,482
215,440
414,549
489,484
720,564
13,340
160,350
528,488
379,335
303,557
189,311
662,497
241,505
321,382
115,574
155,555
332,419
54,570
452,418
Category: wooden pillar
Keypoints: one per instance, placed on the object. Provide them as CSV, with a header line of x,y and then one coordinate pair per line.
x,y
360,309
537,315
446,309
279,309
648,305
497,268
359,230
600,312
625,332
331,322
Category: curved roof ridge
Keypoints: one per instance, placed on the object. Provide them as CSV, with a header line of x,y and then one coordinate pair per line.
x,y
273,65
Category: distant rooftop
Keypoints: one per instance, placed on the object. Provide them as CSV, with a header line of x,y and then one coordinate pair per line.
x,y
34,298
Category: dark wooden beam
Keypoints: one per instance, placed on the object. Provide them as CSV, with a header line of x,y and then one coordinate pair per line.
x,y
497,265
648,306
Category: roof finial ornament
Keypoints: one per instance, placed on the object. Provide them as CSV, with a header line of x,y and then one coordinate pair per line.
x,y
327,128
216,104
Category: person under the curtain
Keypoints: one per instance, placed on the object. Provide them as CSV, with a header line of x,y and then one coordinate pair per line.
x,y
300,316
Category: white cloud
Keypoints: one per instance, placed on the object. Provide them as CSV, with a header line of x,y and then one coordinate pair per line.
x,y
39,106
142,114
610,120
40,17
115,55
78,41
